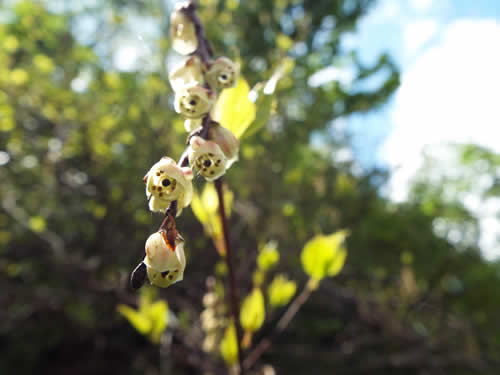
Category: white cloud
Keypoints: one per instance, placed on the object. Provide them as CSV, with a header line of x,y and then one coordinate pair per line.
x,y
417,33
449,95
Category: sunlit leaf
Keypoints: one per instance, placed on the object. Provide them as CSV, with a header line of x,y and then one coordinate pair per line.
x,y
158,314
281,290
268,256
253,312
151,318
264,105
205,206
284,42
233,108
229,345
324,255
263,95
38,223
139,321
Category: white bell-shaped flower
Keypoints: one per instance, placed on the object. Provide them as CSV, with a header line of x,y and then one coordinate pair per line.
x,y
226,140
165,261
222,73
207,157
194,101
189,73
167,182
183,30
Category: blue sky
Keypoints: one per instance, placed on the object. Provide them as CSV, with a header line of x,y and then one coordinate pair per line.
x,y
449,55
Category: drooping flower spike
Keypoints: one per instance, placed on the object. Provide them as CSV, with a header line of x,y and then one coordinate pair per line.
x,y
194,101
167,182
183,30
222,73
165,259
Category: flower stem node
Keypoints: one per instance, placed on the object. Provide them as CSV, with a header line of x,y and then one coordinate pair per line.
x,y
183,30
167,182
194,101
207,157
187,74
165,261
222,73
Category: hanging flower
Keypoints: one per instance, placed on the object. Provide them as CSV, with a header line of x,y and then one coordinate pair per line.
x,y
194,101
187,74
167,182
183,30
165,261
226,140
222,73
207,157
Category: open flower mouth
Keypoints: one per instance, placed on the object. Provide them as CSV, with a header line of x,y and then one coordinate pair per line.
x,y
223,73
194,102
166,182
210,165
226,78
163,187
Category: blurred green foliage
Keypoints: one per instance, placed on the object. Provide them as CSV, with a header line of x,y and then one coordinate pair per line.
x,y
77,135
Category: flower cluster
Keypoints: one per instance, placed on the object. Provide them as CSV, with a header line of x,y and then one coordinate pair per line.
x,y
212,149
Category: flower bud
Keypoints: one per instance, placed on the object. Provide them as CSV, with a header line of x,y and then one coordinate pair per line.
x,y
226,140
207,157
165,261
194,101
167,182
183,31
222,73
187,74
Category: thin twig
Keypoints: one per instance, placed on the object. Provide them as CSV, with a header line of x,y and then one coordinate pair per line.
x,y
233,286
283,323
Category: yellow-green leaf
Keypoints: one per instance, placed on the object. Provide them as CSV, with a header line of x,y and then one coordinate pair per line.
x,y
284,42
281,290
37,223
253,312
151,318
139,321
205,207
158,313
263,95
324,255
234,110
229,345
268,256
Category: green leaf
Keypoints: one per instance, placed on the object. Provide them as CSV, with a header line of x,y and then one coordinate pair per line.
x,y
229,345
263,95
234,110
205,206
158,314
151,318
264,103
38,224
268,257
281,290
324,255
139,321
253,313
